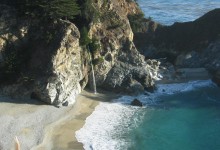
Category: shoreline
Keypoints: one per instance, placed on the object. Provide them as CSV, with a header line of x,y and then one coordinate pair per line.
x,y
61,135
39,126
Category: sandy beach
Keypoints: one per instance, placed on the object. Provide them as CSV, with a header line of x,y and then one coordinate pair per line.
x,y
39,126
43,127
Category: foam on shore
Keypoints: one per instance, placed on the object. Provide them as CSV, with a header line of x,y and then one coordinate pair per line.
x,y
106,128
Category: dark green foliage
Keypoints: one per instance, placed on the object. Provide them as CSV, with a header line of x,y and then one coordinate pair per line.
x,y
53,9
98,61
88,11
84,39
62,8
136,21
94,46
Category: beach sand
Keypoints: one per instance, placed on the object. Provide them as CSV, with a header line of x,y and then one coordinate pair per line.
x,y
44,127
62,134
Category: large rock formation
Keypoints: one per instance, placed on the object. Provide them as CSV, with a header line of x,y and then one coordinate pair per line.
x,y
123,67
44,60
186,45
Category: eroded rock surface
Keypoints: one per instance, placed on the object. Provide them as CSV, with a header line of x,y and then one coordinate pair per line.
x,y
53,67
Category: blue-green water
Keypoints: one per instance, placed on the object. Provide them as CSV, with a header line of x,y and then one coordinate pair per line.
x,y
184,121
176,117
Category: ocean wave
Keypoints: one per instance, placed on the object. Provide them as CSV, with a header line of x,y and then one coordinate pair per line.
x,y
107,126
108,123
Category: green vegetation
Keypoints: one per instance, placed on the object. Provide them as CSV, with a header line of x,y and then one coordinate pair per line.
x,y
84,39
98,61
88,11
136,21
53,9
94,46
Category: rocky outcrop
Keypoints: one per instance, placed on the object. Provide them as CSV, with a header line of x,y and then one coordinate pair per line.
x,y
123,67
55,67
136,102
52,67
69,74
185,45
208,57
216,78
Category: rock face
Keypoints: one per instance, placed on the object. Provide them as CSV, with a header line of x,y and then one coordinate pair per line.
x,y
54,70
136,102
124,68
186,45
208,57
216,78
52,67
67,70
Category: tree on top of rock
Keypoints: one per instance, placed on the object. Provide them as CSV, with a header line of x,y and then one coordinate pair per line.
x,y
62,8
55,9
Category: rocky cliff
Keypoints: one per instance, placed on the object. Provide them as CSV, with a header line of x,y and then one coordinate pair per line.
x,y
41,61
45,61
123,67
185,45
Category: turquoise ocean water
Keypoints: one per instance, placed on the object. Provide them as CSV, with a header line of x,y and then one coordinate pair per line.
x,y
183,116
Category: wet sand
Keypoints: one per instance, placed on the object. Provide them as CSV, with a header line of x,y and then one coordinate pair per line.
x,y
62,136
43,127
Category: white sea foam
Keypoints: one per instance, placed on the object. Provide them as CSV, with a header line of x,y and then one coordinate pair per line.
x,y
108,123
106,127
182,87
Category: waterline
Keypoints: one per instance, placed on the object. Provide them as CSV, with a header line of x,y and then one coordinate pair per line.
x,y
118,125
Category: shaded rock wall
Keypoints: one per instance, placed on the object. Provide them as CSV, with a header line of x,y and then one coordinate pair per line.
x,y
192,44
55,67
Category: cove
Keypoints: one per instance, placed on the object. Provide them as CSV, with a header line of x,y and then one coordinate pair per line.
x,y
184,121
183,116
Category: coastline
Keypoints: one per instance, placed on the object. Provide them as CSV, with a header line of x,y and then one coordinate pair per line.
x,y
61,135
52,128
39,126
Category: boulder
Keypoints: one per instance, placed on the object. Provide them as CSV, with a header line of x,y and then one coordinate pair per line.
x,y
52,67
216,78
136,102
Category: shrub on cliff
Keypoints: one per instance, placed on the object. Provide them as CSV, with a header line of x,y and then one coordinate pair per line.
x,y
54,9
84,39
136,21
92,44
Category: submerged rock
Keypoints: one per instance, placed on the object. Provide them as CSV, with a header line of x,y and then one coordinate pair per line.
x,y
136,102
